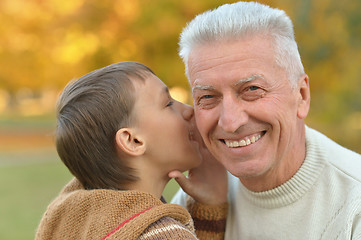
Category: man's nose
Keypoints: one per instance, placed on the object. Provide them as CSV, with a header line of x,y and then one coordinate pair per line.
x,y
232,115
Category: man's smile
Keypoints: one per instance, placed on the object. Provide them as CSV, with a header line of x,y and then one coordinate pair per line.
x,y
244,141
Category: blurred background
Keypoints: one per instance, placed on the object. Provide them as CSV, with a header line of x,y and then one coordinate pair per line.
x,y
46,43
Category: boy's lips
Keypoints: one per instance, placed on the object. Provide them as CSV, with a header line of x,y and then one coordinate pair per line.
x,y
191,135
195,136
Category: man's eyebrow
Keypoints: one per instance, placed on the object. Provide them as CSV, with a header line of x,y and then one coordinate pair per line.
x,y
248,79
239,82
202,87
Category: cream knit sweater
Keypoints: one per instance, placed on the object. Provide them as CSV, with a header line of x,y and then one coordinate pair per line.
x,y
321,201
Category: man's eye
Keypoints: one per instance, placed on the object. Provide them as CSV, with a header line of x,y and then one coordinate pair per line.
x,y
253,93
207,101
253,88
207,97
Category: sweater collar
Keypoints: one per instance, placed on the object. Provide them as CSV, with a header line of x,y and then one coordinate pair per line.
x,y
299,184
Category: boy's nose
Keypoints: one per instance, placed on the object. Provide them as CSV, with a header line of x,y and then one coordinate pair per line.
x,y
188,112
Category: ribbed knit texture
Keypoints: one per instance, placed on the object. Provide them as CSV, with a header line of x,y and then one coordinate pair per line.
x,y
209,220
108,214
295,188
321,201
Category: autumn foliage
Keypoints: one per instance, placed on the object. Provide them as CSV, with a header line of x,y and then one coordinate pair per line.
x,y
46,43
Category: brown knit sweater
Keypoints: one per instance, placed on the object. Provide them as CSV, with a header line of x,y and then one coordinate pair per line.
x,y
109,214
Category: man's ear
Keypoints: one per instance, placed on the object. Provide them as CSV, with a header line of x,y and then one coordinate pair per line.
x,y
127,141
304,99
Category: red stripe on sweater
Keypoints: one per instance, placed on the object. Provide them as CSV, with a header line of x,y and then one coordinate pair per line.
x,y
126,221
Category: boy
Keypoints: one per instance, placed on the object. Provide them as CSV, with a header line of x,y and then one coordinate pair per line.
x,y
121,135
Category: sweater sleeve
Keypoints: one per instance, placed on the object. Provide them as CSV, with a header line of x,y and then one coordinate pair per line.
x,y
209,220
168,228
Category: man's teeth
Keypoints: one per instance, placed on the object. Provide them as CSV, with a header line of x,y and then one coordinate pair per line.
x,y
243,142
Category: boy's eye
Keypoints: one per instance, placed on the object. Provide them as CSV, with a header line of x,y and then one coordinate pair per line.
x,y
170,103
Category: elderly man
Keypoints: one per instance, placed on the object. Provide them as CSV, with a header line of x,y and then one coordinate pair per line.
x,y
251,96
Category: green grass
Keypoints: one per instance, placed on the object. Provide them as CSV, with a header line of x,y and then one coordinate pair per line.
x,y
26,190
15,122
29,180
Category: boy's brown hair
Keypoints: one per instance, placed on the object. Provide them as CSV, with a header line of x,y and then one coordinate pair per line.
x,y
90,111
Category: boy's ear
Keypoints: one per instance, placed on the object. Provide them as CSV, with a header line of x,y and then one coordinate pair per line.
x,y
127,141
305,97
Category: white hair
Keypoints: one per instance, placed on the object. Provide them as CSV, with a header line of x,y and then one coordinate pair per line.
x,y
242,19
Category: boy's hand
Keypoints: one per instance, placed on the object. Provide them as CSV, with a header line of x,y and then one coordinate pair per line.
x,y
206,183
